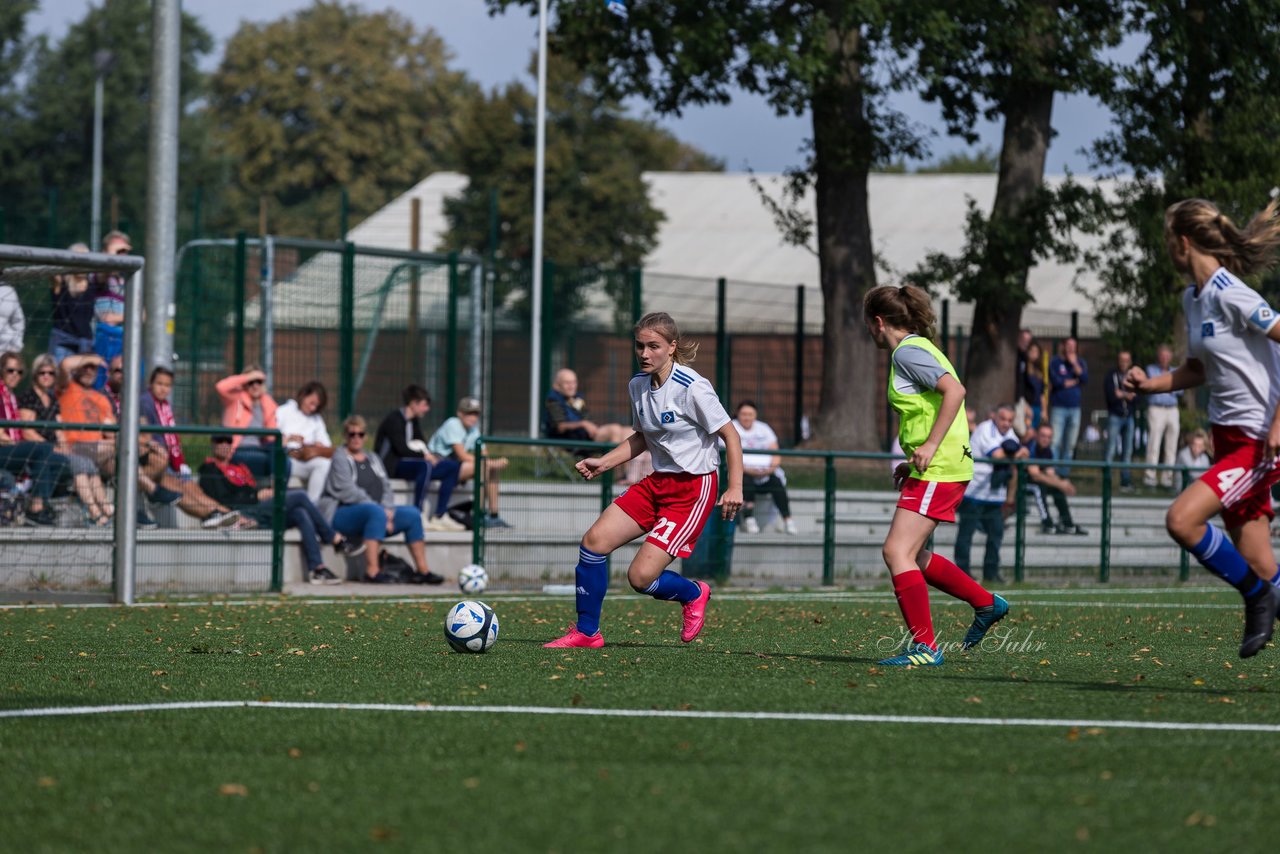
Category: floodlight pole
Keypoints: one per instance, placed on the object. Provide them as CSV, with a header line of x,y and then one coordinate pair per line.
x,y
162,183
539,188
95,226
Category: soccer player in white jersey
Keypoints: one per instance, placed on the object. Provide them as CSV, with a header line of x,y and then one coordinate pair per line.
x,y
1231,335
680,421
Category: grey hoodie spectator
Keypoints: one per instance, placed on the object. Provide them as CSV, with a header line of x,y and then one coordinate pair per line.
x,y
13,323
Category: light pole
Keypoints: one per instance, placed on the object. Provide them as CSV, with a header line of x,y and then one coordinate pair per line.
x,y
102,62
539,167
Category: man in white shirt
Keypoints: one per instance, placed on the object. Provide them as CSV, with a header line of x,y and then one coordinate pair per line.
x,y
989,496
306,438
761,471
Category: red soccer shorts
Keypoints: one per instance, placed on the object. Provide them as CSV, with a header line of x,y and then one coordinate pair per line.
x,y
672,508
931,498
1241,478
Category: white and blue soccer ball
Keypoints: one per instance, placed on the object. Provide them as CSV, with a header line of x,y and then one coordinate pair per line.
x,y
471,626
473,579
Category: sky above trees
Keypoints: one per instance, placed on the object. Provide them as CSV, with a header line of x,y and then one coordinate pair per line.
x,y
495,50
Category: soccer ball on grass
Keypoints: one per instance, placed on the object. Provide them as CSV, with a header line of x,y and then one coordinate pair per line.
x,y
471,626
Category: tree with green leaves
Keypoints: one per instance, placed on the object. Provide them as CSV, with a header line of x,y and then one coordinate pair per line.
x,y
332,97
1008,60
1197,115
813,57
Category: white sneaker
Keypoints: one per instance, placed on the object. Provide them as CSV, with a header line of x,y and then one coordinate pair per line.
x,y
444,523
790,527
750,525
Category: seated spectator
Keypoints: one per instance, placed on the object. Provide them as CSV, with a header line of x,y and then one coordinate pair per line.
x,y
359,501
20,457
565,417
40,403
246,403
13,323
306,438
166,477
1195,453
405,455
761,472
989,497
115,383
108,306
73,304
233,485
1047,484
456,440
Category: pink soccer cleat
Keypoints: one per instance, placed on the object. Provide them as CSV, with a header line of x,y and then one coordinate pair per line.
x,y
695,613
576,638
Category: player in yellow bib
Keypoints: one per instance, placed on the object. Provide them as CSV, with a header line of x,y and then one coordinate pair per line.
x,y
929,399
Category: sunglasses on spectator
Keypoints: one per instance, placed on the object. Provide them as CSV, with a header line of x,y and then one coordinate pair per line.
x,y
253,382
353,433
44,373
18,371
221,440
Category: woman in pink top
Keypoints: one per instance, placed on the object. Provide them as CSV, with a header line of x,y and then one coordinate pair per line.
x,y
246,403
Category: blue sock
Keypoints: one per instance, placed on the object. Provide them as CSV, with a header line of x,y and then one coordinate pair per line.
x,y
671,585
1275,579
593,580
1217,554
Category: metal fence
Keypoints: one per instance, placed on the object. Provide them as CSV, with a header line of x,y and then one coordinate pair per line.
x,y
842,503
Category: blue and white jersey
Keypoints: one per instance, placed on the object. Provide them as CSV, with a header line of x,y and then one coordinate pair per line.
x,y
679,420
1227,326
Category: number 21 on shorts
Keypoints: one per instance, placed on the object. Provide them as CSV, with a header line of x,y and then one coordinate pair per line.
x,y
662,531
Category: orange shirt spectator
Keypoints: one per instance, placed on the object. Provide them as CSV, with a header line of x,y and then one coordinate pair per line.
x,y
81,405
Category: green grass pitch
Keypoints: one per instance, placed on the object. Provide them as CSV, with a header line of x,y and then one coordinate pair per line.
x,y
411,778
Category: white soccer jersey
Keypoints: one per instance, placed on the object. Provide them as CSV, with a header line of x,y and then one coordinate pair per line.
x,y
679,420
1227,326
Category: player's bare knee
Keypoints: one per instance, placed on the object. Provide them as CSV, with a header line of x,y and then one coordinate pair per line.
x,y
1181,526
640,580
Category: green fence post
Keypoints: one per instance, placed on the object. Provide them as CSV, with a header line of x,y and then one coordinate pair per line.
x,y
53,218
797,425
1184,557
637,299
722,344
347,332
477,507
946,318
4,226
451,345
241,273
344,207
278,486
829,523
1104,565
1020,525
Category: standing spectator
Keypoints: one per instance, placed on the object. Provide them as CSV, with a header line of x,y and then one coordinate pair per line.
x,y
762,472
1120,403
1068,373
19,457
1047,485
1195,454
108,305
361,504
1162,421
233,484
306,438
456,439
40,403
1030,391
13,323
73,306
1025,340
989,496
246,403
404,453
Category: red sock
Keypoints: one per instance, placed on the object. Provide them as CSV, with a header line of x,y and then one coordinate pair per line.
x,y
913,599
954,581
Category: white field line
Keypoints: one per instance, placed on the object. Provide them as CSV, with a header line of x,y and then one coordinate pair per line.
x,y
61,711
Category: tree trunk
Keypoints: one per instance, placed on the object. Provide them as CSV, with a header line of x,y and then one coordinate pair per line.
x,y
997,312
851,393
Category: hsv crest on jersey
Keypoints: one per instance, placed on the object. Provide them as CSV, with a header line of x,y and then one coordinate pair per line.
x,y
1262,317
1206,329
668,418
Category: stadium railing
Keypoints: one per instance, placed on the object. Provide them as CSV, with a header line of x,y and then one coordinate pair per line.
x,y
843,501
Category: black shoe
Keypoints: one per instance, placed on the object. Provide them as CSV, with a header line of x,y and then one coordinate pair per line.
x,y
427,578
42,518
145,522
1048,528
380,578
349,548
1071,529
1259,620
322,575
165,496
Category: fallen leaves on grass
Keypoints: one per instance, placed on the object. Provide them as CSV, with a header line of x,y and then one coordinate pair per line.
x,y
239,790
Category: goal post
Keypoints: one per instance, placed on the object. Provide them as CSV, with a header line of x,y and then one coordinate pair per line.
x,y
19,263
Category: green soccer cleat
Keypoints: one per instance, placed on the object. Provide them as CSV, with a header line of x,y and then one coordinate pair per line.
x,y
916,655
984,619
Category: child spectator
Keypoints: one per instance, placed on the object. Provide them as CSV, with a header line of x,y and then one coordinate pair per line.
x,y
405,455
456,439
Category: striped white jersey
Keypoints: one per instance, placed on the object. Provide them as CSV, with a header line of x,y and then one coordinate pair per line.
x,y
1227,326
679,420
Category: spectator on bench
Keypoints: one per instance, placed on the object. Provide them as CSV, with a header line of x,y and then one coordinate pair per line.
x,y
306,437
246,403
360,503
72,331
40,403
762,472
1047,484
404,453
1195,454
565,417
20,457
233,485
456,439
